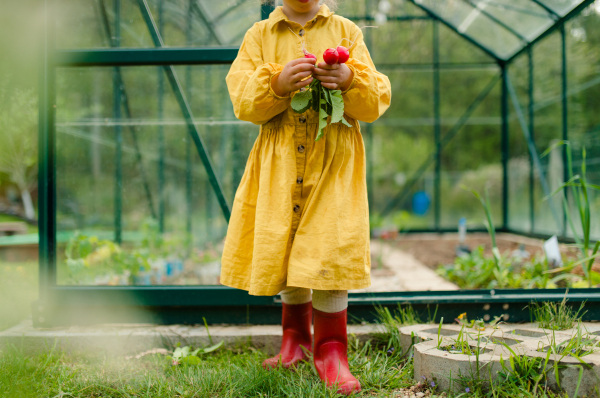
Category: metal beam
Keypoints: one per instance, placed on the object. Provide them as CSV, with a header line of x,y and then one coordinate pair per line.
x,y
160,94
575,11
437,127
118,201
266,8
549,10
188,148
173,305
496,20
187,113
402,195
532,137
125,102
504,144
144,56
565,118
433,15
532,148
47,159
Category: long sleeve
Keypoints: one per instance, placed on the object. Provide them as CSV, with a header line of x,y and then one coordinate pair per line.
x,y
370,92
249,83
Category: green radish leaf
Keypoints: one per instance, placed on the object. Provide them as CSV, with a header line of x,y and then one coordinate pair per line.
x,y
322,120
338,106
327,95
345,122
316,97
301,101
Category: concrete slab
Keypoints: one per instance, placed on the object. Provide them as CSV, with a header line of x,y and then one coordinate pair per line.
x,y
130,339
447,367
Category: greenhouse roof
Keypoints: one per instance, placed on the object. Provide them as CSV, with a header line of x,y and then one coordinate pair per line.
x,y
502,28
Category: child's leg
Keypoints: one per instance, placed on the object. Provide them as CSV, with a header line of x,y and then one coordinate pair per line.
x,y
295,295
331,340
296,319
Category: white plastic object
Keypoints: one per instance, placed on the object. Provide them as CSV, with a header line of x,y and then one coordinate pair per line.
x,y
384,6
553,252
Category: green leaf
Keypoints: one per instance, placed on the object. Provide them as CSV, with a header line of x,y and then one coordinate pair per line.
x,y
322,120
345,122
213,348
301,101
316,96
190,360
327,95
337,103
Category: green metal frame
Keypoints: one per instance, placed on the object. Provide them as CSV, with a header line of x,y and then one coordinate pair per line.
x,y
170,304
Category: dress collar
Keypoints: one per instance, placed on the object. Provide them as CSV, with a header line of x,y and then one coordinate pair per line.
x,y
278,15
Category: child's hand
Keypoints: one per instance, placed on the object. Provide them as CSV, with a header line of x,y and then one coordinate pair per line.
x,y
334,77
290,78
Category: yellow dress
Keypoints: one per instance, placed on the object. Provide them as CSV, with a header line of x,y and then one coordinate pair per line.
x,y
300,216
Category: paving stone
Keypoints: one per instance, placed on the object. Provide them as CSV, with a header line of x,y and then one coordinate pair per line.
x,y
130,339
446,367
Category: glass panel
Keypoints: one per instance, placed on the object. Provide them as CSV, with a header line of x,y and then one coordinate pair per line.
x,y
471,22
87,131
562,7
455,49
526,18
471,159
547,130
520,166
182,23
584,119
401,43
407,124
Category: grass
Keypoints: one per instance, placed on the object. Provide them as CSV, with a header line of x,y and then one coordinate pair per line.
x,y
379,364
555,316
18,289
224,373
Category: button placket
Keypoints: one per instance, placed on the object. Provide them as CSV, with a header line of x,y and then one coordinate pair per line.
x,y
300,135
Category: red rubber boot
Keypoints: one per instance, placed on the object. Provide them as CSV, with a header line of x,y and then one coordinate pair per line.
x,y
331,351
296,320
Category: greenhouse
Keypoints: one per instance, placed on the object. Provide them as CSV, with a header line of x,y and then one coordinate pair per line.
x,y
494,102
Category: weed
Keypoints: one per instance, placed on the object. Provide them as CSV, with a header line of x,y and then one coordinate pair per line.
x,y
555,316
580,187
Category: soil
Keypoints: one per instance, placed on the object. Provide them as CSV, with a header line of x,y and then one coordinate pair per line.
x,y
434,250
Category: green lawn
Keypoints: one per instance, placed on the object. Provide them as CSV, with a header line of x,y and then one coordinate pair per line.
x,y
225,373
18,289
228,372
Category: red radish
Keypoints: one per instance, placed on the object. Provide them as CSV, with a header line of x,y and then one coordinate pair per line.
x,y
309,55
330,56
343,53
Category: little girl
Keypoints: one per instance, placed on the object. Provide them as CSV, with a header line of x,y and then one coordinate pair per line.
x,y
300,216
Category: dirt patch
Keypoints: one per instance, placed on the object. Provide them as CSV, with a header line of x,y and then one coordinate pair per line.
x,y
439,249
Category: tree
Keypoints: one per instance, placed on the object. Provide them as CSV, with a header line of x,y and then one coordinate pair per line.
x,y
18,141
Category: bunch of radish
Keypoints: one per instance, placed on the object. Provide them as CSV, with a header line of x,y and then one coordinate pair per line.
x,y
332,56
337,55
325,101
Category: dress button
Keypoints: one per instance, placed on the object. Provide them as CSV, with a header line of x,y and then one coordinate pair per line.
x,y
296,209
301,33
299,180
303,89
301,148
302,119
